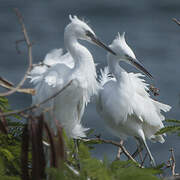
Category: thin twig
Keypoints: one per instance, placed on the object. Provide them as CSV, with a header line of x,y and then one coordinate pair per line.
x,y
36,105
29,45
128,155
8,85
176,21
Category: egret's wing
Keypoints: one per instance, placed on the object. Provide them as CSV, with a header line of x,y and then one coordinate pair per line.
x,y
105,96
143,105
53,58
36,73
103,79
50,82
104,76
146,109
56,56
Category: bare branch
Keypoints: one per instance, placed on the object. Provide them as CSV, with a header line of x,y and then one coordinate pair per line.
x,y
35,105
172,162
128,155
176,21
29,45
8,85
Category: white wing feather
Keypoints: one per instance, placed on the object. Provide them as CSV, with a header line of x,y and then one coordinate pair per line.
x,y
54,57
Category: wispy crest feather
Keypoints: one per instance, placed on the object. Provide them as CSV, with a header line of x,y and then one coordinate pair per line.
x,y
75,19
120,38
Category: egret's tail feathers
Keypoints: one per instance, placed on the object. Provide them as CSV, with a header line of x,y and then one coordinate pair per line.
x,y
163,107
150,131
104,77
78,131
158,138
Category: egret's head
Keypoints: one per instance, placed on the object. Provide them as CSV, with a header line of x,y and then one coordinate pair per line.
x,y
81,30
125,53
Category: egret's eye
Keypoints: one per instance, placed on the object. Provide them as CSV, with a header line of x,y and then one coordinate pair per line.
x,y
89,34
127,56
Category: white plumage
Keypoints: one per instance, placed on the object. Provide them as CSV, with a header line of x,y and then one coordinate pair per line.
x,y
123,100
59,69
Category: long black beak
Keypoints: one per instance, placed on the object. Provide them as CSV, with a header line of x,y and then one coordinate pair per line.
x,y
139,66
99,43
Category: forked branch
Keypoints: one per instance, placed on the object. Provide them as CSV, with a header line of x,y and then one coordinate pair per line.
x,y
29,46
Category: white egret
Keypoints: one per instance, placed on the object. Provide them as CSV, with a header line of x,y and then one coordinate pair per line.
x,y
57,70
123,100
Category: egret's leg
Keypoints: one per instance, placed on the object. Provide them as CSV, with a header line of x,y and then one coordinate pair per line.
x,y
139,148
152,161
76,152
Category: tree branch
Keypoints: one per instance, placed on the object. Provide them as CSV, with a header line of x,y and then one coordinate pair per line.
x,y
8,85
29,45
128,155
176,21
35,105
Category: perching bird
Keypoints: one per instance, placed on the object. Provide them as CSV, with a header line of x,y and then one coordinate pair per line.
x,y
123,100
58,70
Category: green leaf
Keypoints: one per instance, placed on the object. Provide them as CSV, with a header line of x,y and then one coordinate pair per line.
x,y
126,170
171,129
173,120
95,169
7,154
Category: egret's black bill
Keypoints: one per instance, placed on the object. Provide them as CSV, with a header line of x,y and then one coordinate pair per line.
x,y
98,42
139,66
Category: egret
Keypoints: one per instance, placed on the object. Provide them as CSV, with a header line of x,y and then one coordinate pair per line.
x,y
58,69
123,101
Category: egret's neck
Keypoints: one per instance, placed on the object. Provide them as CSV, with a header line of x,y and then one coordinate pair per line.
x,y
115,68
80,54
84,67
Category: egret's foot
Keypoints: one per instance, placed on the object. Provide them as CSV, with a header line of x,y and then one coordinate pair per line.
x,y
152,162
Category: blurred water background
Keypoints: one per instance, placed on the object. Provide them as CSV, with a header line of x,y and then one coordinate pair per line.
x,y
149,31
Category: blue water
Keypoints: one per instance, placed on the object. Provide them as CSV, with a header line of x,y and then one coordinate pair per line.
x,y
149,31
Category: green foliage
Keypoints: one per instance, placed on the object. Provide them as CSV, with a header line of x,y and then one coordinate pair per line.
x,y
101,169
10,147
10,154
128,170
4,106
175,128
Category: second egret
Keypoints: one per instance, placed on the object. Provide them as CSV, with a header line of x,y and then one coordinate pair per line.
x,y
123,100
